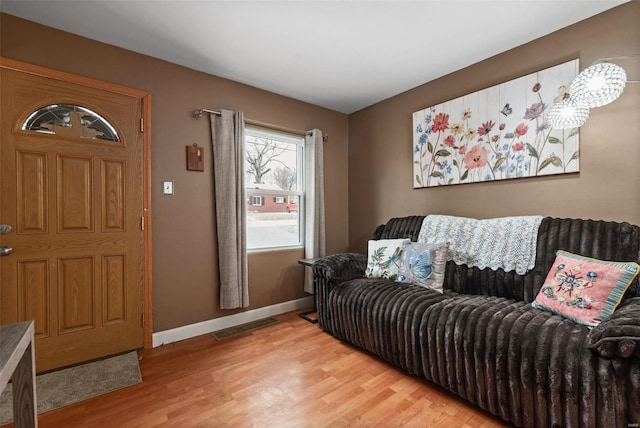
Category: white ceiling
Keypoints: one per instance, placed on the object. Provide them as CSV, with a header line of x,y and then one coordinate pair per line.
x,y
342,55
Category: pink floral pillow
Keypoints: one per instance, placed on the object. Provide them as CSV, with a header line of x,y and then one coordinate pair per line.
x,y
583,289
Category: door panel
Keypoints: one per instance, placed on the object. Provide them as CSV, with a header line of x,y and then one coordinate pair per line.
x,y
31,188
75,195
115,298
113,196
75,294
75,202
33,300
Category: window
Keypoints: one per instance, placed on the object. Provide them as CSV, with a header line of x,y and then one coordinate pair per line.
x,y
256,200
70,120
274,189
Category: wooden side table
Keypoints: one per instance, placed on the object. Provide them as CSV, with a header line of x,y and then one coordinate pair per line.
x,y
305,315
17,363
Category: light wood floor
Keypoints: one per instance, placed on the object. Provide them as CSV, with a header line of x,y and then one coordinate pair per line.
x,y
290,374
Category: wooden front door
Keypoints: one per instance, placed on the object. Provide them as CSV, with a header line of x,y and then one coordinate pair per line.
x,y
71,172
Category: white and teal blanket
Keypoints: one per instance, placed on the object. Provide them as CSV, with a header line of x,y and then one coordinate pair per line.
x,y
508,243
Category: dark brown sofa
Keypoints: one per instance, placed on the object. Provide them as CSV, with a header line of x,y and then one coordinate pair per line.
x,y
483,341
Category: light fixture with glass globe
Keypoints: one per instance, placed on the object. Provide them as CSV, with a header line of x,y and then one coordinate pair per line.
x,y
567,114
599,84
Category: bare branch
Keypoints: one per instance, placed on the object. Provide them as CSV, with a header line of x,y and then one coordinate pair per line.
x,y
259,155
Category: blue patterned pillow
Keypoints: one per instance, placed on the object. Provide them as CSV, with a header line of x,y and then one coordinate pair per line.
x,y
423,264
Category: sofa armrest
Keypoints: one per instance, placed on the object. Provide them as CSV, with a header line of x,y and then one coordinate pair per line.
x,y
338,268
331,271
618,335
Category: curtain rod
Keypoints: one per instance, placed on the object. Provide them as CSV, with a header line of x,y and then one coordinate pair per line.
x,y
199,113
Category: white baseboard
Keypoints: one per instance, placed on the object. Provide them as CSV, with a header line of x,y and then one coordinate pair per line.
x,y
188,331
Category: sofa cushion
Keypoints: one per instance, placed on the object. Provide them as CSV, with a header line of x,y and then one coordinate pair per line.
x,y
381,316
583,289
384,258
423,264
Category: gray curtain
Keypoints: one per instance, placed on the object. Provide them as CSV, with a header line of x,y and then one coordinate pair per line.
x,y
227,140
314,237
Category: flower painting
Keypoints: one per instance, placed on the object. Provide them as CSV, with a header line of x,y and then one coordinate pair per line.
x,y
497,133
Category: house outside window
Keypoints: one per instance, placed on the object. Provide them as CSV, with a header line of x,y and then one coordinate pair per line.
x,y
274,189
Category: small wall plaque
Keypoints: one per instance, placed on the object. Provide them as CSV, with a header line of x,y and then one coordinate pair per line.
x,y
195,158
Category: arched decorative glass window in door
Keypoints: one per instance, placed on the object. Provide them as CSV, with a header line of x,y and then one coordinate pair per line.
x,y
68,120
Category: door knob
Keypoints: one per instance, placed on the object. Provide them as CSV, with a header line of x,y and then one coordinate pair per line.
x,y
4,229
5,251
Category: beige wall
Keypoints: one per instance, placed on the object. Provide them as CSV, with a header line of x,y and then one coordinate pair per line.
x,y
607,187
185,276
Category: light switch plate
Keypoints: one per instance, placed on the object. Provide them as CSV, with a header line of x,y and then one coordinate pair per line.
x,y
167,187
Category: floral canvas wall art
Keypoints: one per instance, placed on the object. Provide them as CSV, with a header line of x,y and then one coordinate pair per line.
x,y
497,133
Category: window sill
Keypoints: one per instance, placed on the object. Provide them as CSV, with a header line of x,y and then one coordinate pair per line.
x,y
274,249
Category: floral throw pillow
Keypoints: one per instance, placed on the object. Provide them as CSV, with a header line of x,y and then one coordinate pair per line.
x,y
423,264
583,289
384,257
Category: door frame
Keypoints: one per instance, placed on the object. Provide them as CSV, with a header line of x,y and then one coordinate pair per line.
x,y
145,126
